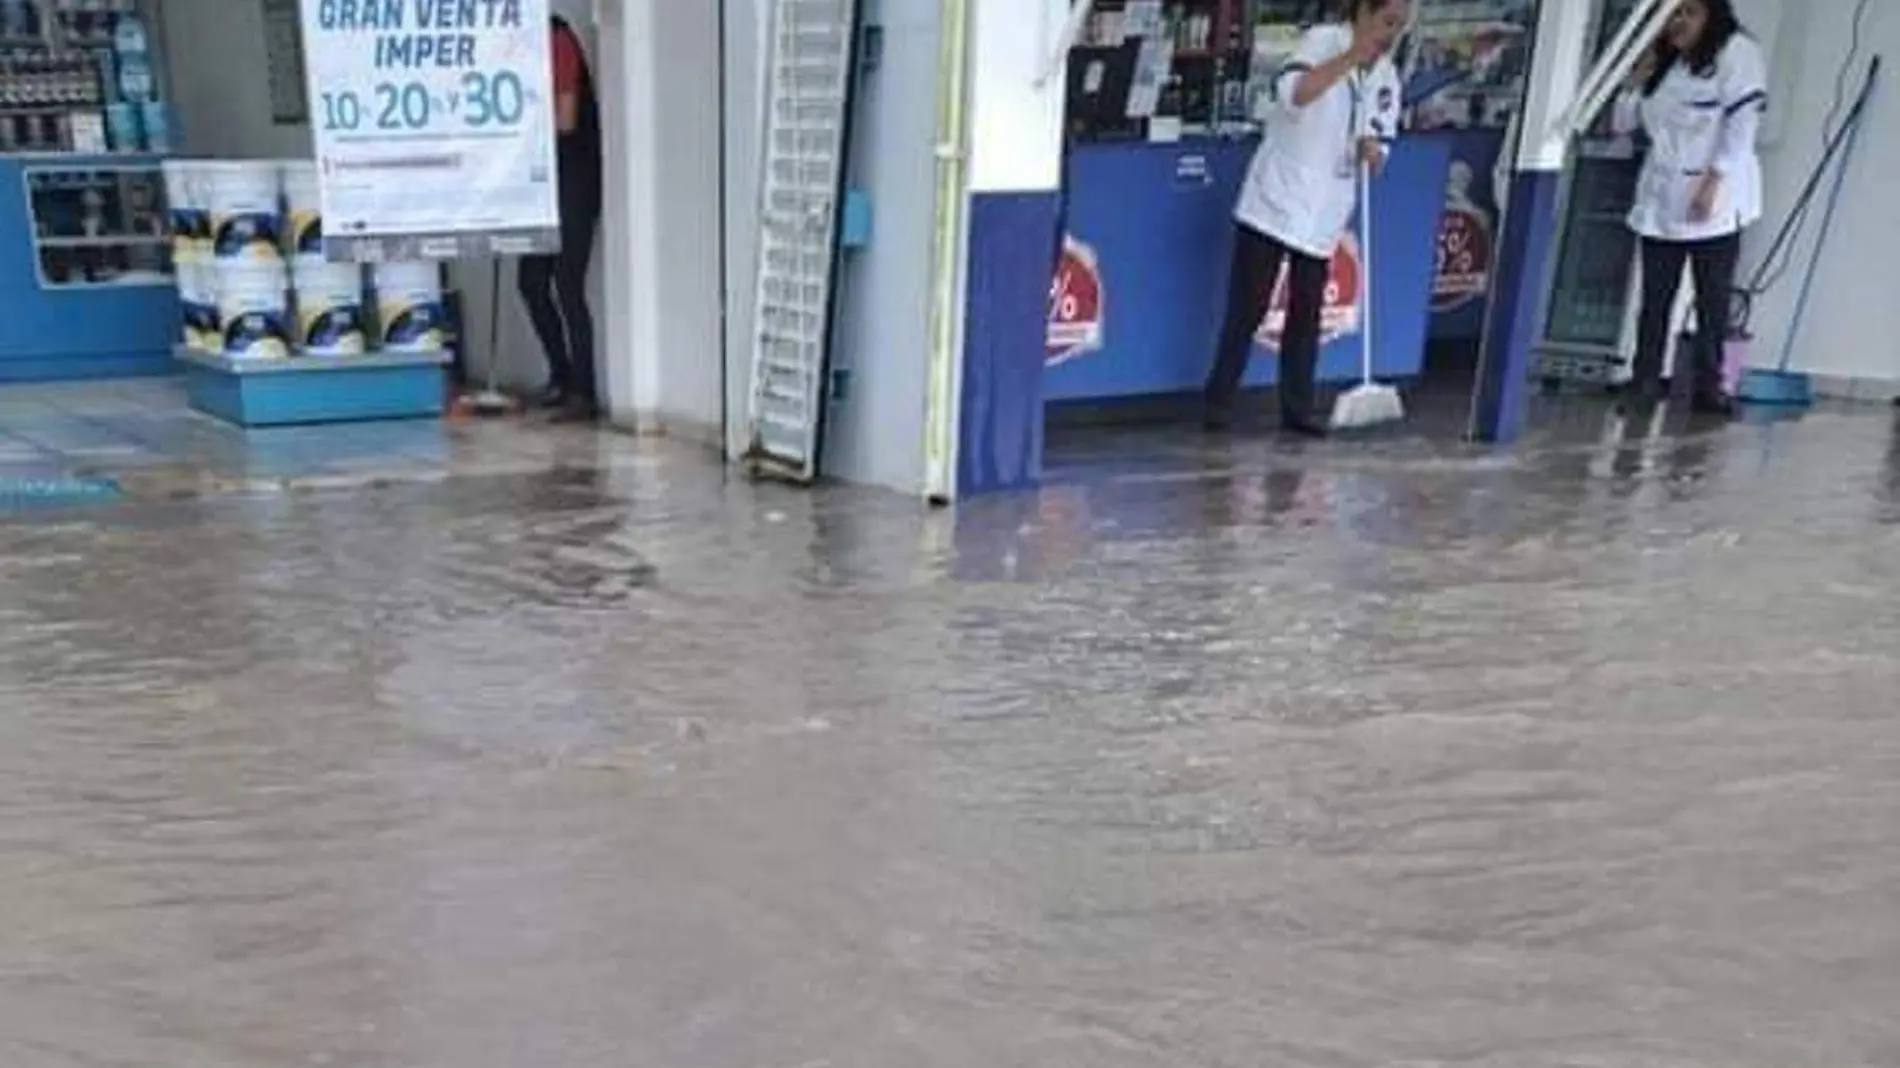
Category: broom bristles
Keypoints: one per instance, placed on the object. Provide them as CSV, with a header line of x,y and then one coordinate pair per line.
x,y
1367,405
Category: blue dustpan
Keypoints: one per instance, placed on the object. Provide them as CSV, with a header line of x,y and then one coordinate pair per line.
x,y
1764,385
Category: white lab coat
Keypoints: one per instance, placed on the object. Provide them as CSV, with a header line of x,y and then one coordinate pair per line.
x,y
1303,182
1697,123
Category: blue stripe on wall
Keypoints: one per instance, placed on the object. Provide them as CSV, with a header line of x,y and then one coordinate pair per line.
x,y
1012,261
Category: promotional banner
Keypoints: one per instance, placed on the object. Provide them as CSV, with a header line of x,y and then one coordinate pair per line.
x,y
434,127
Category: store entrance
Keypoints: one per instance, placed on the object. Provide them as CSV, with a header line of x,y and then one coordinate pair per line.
x,y
1163,105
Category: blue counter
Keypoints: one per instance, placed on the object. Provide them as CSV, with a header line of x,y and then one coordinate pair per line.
x,y
1138,300
85,330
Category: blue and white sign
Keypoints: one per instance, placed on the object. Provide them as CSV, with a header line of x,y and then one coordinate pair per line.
x,y
434,127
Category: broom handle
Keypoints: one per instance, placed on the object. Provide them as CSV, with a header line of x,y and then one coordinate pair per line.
x,y
1365,271
494,325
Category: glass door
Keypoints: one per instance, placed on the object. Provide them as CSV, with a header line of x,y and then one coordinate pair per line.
x,y
1591,293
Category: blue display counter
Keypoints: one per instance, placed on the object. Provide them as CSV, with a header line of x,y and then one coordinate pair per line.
x,y
84,279
1137,304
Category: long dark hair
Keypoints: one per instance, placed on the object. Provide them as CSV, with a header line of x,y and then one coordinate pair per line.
x,y
1722,26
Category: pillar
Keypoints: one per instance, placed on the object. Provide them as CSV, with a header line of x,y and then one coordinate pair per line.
x,y
1527,239
659,73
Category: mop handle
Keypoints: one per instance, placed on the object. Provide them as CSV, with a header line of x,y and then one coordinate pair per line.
x,y
1829,151
1820,242
1365,270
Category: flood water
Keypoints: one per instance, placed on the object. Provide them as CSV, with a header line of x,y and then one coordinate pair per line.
x,y
1231,754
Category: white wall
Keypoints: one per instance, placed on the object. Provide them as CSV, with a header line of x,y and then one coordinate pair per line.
x,y
1852,316
746,24
660,64
1015,124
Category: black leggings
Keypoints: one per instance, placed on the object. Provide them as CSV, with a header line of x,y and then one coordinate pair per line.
x,y
1257,260
1712,264
555,291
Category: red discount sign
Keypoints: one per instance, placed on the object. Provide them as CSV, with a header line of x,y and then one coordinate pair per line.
x,y
1339,315
1464,258
1077,306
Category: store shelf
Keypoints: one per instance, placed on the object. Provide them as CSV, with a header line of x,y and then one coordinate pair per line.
x,y
127,281
109,241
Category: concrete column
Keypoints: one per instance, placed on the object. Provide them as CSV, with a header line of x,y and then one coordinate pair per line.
x,y
1526,243
659,74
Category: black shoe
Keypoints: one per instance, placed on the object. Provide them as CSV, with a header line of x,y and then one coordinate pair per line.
x,y
1303,426
1217,419
553,398
578,410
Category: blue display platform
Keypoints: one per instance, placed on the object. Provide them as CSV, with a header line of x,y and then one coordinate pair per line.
x,y
83,329
313,389
1143,282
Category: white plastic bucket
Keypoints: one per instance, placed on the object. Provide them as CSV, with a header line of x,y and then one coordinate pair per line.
x,y
329,307
409,312
246,202
189,215
303,199
253,309
198,305
178,207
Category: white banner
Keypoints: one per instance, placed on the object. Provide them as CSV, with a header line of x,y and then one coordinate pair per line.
x,y
434,125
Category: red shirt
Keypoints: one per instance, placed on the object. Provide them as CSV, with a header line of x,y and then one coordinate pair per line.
x,y
569,61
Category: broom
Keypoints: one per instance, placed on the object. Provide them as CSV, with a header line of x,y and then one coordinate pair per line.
x,y
1368,403
490,402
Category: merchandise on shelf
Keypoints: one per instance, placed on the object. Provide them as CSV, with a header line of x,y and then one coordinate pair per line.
x,y
1466,63
78,76
102,224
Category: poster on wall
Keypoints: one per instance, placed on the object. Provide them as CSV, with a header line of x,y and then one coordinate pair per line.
x,y
434,127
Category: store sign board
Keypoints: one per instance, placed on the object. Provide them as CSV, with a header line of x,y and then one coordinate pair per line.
x,y
434,127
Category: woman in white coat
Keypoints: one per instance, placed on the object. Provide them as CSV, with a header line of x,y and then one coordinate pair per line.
x,y
1335,109
1699,96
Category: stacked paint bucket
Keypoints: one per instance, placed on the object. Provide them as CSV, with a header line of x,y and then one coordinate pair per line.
x,y
253,282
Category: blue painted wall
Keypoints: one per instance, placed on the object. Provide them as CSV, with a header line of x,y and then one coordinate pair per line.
x,y
78,332
1012,256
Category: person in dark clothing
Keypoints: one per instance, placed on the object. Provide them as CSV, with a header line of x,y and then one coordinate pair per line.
x,y
554,287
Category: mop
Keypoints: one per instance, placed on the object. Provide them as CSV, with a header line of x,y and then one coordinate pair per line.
x,y
1369,403
490,401
1781,386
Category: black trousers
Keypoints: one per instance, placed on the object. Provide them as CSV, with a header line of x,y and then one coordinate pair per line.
x,y
555,291
1712,264
1257,260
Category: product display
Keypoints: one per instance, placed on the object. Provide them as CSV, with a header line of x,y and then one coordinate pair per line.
x,y
1466,62
253,282
78,76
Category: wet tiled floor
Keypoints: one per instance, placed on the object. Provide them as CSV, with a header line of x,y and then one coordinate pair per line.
x,y
488,747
